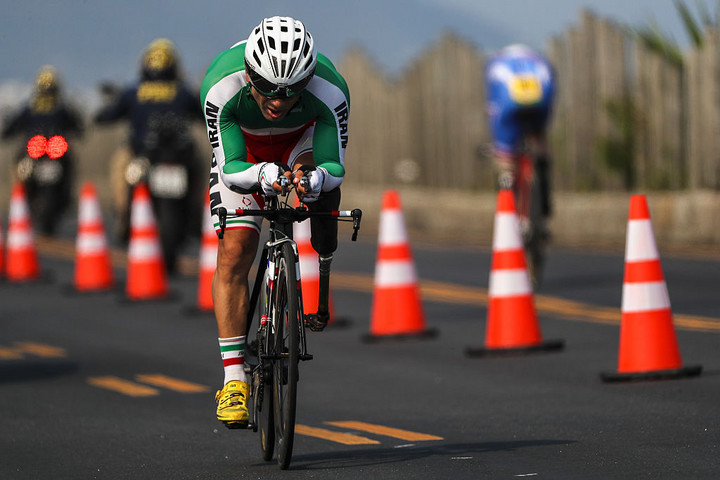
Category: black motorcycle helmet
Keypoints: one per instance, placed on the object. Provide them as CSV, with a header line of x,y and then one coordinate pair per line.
x,y
159,61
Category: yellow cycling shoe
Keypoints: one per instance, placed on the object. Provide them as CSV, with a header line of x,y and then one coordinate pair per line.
x,y
232,407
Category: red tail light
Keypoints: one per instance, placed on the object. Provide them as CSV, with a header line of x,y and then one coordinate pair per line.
x,y
37,146
55,148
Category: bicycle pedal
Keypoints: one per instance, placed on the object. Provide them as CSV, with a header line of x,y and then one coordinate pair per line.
x,y
317,321
237,425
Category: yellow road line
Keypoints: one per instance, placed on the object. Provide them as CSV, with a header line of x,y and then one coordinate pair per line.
x,y
125,387
565,309
10,353
40,350
344,438
386,431
178,385
439,292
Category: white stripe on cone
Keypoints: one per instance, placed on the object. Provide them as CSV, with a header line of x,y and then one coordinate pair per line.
x,y
142,214
19,239
644,297
398,273
509,283
89,212
19,209
309,263
392,228
507,232
144,249
208,257
640,242
90,243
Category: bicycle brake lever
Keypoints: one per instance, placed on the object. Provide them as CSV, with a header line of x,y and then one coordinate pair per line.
x,y
305,183
222,216
357,216
283,181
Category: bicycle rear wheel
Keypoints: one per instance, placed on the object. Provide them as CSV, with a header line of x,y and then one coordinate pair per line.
x,y
536,245
287,354
263,406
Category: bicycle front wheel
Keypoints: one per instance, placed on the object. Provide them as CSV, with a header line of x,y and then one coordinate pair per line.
x,y
287,353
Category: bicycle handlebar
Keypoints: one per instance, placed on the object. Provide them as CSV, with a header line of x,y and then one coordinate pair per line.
x,y
287,214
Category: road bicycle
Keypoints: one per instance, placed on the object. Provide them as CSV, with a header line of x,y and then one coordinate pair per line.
x,y
528,203
276,302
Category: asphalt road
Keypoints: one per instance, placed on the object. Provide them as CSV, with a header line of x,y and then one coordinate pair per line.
x,y
95,386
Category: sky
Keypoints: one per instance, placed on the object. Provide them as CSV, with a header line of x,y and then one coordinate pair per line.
x,y
91,41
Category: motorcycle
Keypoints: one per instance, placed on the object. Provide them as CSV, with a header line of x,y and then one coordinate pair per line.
x,y
45,167
167,166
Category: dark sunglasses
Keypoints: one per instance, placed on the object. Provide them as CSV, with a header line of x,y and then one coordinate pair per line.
x,y
268,89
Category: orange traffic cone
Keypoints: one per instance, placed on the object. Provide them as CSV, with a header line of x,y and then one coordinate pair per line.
x,y
93,270
146,272
397,310
512,323
648,346
22,260
207,260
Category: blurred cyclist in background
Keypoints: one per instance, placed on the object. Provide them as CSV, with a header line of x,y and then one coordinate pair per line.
x,y
520,88
159,94
49,114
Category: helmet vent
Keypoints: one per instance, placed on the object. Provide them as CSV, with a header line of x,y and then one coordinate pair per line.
x,y
281,51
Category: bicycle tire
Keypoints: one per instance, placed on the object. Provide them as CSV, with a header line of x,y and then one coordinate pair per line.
x,y
266,420
263,414
537,242
287,353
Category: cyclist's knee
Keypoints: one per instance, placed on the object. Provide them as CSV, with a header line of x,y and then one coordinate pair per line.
x,y
236,252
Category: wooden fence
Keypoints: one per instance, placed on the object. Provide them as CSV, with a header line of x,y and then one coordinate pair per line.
x,y
625,117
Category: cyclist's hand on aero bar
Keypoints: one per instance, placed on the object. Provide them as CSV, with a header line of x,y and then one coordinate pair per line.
x,y
270,173
309,183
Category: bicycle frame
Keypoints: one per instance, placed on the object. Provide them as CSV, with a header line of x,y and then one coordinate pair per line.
x,y
529,211
281,339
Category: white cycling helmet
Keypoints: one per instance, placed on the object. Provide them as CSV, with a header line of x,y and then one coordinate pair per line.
x,y
280,57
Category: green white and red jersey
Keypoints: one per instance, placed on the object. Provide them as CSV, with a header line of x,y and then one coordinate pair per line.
x,y
241,137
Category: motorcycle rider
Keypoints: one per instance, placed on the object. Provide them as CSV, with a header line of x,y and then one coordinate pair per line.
x,y
47,113
159,93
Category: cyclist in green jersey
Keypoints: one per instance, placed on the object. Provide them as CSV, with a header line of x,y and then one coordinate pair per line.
x,y
271,103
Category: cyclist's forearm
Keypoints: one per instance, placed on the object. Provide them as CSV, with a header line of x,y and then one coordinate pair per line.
x,y
241,176
334,175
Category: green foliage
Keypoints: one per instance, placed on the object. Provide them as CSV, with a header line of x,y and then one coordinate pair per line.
x,y
654,39
695,28
617,151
